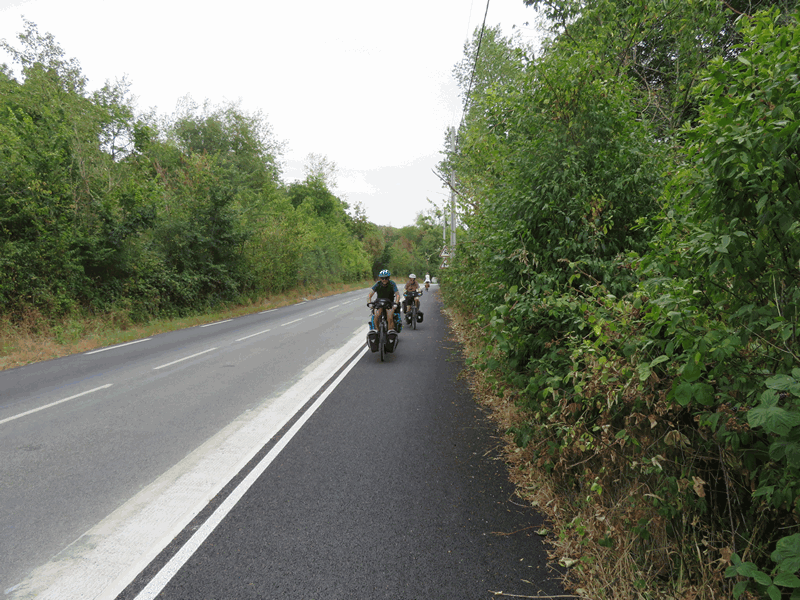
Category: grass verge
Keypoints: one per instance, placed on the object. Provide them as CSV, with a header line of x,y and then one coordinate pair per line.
x,y
35,337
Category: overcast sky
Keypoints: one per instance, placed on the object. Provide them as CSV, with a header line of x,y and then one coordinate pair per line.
x,y
366,84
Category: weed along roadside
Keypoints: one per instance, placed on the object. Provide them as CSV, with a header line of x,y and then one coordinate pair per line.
x,y
598,539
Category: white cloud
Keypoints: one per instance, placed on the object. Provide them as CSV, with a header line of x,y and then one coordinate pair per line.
x,y
355,182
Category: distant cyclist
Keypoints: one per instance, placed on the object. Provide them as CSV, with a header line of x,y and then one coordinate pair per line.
x,y
386,288
409,297
427,280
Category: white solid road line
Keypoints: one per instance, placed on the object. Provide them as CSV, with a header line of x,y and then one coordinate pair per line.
x,y
168,571
102,387
174,362
105,559
118,346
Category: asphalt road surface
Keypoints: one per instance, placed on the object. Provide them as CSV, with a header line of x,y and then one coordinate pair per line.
x,y
327,474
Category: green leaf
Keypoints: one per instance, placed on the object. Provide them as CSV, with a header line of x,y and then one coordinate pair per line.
x,y
784,383
787,580
748,569
763,579
683,393
783,449
739,588
769,398
691,371
703,393
659,360
787,554
606,542
773,419
766,490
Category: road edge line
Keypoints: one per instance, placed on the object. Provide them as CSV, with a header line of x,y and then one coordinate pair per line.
x,y
169,570
104,560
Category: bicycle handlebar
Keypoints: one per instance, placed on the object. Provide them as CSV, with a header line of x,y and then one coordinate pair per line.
x,y
382,303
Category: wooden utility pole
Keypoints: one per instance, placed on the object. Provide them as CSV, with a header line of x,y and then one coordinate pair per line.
x,y
449,251
453,196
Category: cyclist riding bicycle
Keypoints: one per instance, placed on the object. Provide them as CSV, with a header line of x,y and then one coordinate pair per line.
x,y
427,280
386,288
409,297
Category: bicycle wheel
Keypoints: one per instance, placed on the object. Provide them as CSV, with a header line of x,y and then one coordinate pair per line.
x,y
414,318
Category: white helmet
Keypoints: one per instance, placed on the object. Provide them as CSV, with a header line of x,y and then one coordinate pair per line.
x,y
412,276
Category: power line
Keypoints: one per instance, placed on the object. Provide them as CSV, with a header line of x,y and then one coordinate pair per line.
x,y
475,64
449,251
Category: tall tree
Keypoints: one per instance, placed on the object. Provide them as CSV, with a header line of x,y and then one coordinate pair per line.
x,y
56,222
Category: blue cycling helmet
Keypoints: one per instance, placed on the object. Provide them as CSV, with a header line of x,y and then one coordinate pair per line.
x,y
384,273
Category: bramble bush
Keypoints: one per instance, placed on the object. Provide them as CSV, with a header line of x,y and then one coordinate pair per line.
x,y
644,307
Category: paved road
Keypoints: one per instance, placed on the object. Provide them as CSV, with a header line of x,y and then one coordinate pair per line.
x,y
392,489
89,441
357,479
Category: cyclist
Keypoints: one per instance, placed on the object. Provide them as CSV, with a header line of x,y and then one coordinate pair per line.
x,y
386,288
411,287
427,280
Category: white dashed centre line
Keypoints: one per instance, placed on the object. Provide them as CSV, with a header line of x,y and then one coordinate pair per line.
x,y
174,362
217,323
118,346
102,387
247,337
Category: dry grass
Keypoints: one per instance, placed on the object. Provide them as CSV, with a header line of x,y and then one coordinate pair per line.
x,y
32,337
